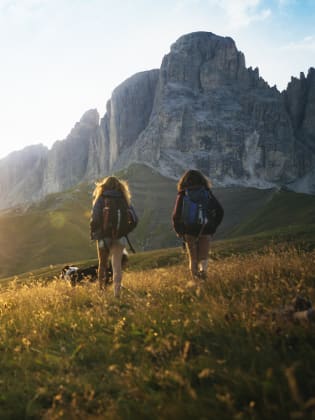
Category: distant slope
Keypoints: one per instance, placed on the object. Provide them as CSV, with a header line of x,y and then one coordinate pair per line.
x,y
285,209
53,231
56,230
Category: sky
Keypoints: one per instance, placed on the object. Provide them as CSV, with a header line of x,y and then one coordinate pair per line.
x,y
60,58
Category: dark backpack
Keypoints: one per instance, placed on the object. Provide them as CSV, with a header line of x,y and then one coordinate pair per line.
x,y
119,219
200,211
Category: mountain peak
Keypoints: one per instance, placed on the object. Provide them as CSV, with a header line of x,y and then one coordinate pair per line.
x,y
91,117
202,36
203,61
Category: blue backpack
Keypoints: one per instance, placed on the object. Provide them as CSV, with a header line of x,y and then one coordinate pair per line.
x,y
198,210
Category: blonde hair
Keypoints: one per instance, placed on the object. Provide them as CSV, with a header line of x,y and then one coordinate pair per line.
x,y
112,183
193,178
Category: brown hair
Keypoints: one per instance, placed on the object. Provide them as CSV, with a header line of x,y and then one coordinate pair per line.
x,y
193,178
112,183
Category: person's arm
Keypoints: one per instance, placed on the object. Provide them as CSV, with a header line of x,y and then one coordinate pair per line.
x,y
176,216
96,217
134,214
219,212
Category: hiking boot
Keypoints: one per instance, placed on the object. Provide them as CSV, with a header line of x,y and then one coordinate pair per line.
x,y
202,275
105,282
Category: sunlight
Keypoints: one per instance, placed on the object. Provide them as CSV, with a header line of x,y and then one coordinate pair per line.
x,y
57,220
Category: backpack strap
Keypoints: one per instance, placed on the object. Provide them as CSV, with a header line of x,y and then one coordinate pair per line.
x,y
210,195
200,232
130,245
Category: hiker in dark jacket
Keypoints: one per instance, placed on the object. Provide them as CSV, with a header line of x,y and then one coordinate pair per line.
x,y
108,244
196,188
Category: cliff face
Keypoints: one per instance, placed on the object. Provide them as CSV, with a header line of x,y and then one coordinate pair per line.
x,y
76,158
128,112
299,99
203,108
32,173
21,175
213,113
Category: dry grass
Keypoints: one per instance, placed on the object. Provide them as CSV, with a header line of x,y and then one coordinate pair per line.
x,y
169,348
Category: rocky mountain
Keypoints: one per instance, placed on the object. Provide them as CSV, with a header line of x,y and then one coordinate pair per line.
x,y
203,108
32,173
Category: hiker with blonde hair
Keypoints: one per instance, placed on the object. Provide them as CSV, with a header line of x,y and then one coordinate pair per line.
x,y
196,215
112,218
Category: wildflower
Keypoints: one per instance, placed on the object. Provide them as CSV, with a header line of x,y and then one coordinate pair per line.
x,y
26,342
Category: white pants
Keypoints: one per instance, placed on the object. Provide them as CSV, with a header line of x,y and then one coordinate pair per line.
x,y
198,252
113,249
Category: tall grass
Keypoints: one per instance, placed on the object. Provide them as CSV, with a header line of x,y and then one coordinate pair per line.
x,y
169,348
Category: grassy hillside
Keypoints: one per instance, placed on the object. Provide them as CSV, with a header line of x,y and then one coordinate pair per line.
x,y
168,349
166,257
285,209
56,230
50,232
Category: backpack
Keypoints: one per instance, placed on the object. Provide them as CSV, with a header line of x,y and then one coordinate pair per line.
x,y
119,218
199,211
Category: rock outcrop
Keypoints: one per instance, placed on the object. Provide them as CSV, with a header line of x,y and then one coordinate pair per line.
x,y
203,108
77,157
213,113
128,114
30,174
299,98
21,175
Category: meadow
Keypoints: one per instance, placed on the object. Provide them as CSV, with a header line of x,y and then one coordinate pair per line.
x,y
169,348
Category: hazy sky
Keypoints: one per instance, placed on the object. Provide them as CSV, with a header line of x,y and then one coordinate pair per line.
x,y
60,58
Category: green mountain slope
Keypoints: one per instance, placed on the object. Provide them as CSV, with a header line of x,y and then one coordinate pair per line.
x,y
56,230
284,211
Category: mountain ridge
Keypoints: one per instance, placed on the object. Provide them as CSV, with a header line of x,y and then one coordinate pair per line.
x,y
203,108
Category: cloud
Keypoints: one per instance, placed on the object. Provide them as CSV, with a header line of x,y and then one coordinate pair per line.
x,y
234,14
26,4
307,44
243,12
21,7
284,3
